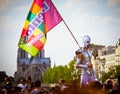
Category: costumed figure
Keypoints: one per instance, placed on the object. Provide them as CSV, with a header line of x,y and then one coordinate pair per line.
x,y
83,62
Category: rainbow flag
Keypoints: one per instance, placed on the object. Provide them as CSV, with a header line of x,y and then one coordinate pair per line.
x,y
42,17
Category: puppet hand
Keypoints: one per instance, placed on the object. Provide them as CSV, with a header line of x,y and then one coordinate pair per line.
x,y
89,65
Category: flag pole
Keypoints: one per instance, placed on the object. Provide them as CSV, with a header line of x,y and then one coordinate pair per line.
x,y
67,27
71,33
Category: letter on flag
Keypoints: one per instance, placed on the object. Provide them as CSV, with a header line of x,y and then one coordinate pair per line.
x,y
41,18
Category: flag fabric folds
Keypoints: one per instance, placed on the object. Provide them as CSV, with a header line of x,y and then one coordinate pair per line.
x,y
42,17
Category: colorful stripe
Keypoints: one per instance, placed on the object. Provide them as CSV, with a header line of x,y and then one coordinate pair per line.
x,y
41,18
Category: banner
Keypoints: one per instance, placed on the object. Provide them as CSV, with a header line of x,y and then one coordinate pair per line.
x,y
42,17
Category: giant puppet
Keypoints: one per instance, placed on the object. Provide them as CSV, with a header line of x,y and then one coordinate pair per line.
x,y
83,62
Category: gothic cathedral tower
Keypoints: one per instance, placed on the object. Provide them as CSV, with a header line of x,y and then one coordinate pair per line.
x,y
33,67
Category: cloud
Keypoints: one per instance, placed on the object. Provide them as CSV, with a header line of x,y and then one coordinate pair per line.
x,y
85,21
22,8
96,26
113,2
4,3
78,5
7,23
81,2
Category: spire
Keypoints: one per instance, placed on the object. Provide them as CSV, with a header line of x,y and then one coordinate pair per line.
x,y
54,64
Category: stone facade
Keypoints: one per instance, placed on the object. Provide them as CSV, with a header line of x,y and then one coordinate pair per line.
x,y
107,57
33,67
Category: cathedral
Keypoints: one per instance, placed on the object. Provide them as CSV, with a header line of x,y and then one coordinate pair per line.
x,y
33,67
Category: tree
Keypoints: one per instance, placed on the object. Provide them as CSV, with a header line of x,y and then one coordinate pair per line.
x,y
75,73
113,72
52,75
47,76
2,75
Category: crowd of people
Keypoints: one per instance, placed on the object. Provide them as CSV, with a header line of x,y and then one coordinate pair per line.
x,y
26,86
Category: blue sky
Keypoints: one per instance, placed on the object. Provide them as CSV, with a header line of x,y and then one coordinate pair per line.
x,y
100,19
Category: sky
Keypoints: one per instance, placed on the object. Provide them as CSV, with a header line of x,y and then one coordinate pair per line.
x,y
100,19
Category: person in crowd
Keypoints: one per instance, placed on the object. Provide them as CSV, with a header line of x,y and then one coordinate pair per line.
x,y
109,86
45,92
22,85
104,88
37,88
52,90
58,89
83,61
116,87
7,89
17,90
62,84
74,88
95,87
29,84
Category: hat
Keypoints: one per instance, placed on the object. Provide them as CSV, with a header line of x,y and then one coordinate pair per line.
x,y
86,39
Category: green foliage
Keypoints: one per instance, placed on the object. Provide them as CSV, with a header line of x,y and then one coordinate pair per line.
x,y
104,77
47,75
52,75
113,72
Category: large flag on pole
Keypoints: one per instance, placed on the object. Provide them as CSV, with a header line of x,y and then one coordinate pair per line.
x,y
42,17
